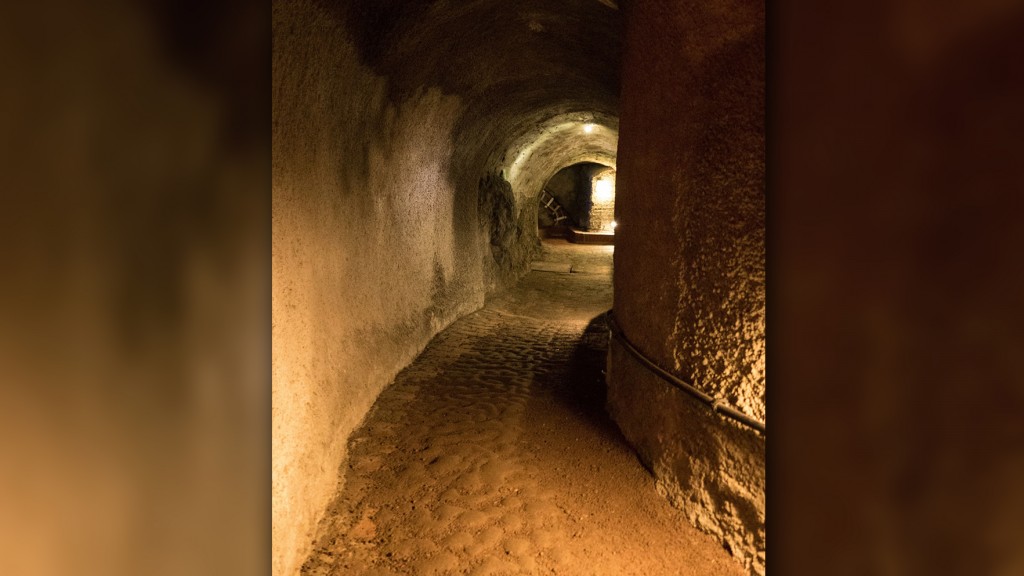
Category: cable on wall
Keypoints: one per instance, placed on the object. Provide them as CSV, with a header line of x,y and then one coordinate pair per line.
x,y
716,404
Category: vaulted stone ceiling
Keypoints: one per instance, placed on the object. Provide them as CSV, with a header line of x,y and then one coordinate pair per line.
x,y
528,73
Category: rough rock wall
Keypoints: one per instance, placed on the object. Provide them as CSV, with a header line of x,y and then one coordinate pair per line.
x,y
509,228
368,262
690,288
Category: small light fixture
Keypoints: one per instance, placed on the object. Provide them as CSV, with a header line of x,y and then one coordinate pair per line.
x,y
588,128
614,224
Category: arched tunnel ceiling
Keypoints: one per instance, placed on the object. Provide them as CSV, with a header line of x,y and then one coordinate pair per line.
x,y
562,141
529,73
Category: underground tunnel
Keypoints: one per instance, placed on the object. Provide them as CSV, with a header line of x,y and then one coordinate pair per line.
x,y
449,394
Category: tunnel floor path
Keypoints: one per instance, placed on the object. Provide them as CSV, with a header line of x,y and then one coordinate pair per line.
x,y
492,454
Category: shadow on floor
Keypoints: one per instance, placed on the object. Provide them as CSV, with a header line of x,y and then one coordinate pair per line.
x,y
580,384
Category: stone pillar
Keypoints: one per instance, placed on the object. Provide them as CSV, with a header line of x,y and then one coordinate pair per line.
x,y
689,258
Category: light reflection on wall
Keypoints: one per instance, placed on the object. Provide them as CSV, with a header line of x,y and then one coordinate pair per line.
x,y
602,213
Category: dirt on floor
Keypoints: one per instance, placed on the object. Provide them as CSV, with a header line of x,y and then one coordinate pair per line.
x,y
492,453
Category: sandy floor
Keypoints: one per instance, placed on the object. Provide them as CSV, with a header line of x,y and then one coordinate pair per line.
x,y
491,453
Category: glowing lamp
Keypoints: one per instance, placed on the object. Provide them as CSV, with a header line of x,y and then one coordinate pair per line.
x,y
603,191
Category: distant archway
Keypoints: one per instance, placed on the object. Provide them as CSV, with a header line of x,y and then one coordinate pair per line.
x,y
578,198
